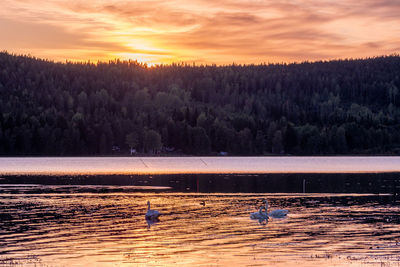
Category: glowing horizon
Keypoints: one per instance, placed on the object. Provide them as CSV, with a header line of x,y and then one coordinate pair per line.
x,y
200,31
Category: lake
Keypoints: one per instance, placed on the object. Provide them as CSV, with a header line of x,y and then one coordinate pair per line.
x,y
180,165
109,229
90,211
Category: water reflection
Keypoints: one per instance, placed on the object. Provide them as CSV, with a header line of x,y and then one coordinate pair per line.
x,y
151,222
261,220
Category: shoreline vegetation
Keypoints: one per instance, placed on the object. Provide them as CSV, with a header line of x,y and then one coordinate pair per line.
x,y
118,108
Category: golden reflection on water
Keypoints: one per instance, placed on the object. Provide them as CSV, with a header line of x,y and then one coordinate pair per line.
x,y
101,229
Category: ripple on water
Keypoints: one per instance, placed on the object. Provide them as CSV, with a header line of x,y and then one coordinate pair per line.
x,y
108,229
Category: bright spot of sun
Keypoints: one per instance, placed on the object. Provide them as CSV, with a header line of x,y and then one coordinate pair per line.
x,y
145,51
148,59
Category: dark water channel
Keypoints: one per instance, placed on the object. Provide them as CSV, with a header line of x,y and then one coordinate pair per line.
x,y
221,183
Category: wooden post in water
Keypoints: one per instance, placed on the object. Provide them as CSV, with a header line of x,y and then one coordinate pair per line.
x,y
394,189
304,186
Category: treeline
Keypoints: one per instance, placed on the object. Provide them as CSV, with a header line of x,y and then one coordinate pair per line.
x,y
321,108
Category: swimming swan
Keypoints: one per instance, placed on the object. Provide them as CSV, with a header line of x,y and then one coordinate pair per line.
x,y
260,215
151,215
275,213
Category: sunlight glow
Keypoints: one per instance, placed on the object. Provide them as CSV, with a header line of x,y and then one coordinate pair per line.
x,y
201,31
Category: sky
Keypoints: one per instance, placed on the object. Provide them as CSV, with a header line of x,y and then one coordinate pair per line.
x,y
200,31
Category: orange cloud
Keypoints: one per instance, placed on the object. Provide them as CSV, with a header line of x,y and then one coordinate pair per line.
x,y
204,31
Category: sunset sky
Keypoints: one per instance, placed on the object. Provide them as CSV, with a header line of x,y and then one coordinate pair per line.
x,y
201,31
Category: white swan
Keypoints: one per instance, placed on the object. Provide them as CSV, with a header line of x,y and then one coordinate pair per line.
x,y
279,213
260,215
151,215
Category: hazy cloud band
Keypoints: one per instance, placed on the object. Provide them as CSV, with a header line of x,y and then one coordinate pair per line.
x,y
204,31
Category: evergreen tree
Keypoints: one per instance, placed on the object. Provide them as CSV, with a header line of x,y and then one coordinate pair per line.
x,y
341,107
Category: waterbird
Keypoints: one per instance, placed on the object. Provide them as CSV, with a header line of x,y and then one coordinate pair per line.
x,y
260,215
279,213
151,215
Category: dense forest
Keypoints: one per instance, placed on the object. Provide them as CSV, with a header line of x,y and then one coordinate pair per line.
x,y
320,108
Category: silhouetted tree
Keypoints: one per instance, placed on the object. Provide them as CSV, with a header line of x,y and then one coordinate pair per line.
x,y
335,107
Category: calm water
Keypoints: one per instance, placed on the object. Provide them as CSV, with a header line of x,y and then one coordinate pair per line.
x,y
164,165
109,229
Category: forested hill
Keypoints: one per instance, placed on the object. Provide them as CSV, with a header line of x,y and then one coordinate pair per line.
x,y
322,108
